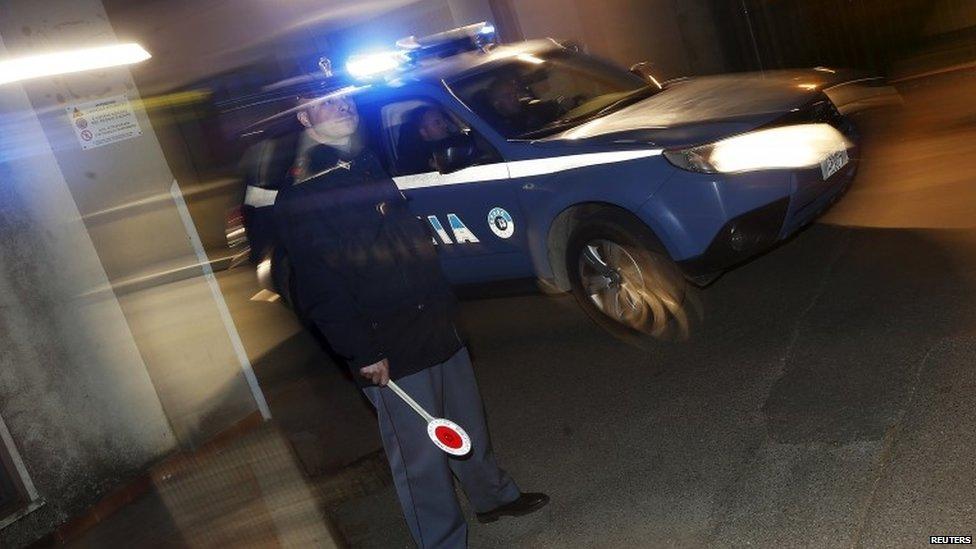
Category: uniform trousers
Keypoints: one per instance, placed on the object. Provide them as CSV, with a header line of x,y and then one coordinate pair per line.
x,y
422,473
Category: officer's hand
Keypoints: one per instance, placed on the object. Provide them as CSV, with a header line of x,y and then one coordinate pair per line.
x,y
378,373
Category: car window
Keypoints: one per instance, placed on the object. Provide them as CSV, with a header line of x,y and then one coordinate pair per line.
x,y
412,130
528,92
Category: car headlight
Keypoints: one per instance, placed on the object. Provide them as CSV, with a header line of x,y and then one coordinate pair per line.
x,y
796,146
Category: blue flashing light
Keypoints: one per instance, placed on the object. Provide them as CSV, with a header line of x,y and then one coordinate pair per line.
x,y
374,64
378,64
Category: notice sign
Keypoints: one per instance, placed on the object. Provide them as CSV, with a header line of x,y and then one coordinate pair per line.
x,y
103,122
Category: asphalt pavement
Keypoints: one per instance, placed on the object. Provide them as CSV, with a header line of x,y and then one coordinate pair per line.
x,y
825,398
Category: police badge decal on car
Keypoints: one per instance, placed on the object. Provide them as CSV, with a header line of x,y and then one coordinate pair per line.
x,y
500,222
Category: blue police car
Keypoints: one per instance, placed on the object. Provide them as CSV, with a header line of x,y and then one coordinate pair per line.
x,y
536,160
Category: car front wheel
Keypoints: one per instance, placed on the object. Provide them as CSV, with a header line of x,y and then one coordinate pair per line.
x,y
623,279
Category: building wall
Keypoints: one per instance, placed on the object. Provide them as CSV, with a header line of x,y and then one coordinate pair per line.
x,y
97,379
123,193
949,16
74,391
884,37
677,38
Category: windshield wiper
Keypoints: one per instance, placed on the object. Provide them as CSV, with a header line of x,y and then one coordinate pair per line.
x,y
629,99
552,127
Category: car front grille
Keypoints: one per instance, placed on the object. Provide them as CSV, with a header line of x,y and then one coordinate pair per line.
x,y
821,110
825,111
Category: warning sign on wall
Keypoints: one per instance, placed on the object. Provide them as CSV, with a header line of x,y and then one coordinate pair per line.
x,y
103,122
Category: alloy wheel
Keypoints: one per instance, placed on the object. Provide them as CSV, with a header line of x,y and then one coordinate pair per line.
x,y
614,282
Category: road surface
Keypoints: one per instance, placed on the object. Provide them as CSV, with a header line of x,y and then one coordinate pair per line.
x,y
826,398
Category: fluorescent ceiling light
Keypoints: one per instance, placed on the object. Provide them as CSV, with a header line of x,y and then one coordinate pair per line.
x,y
84,59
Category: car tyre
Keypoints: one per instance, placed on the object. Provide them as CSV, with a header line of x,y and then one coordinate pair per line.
x,y
625,281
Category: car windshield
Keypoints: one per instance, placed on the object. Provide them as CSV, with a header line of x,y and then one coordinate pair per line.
x,y
532,95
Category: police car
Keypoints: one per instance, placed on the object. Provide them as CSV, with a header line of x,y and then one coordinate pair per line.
x,y
600,181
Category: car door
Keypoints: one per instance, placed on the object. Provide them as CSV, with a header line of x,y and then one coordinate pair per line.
x,y
473,213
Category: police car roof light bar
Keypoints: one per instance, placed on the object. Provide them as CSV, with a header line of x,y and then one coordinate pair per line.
x,y
374,64
478,36
460,33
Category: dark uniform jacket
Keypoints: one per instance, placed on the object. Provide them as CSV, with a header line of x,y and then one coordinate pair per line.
x,y
366,271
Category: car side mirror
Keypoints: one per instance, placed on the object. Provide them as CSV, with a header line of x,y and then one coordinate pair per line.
x,y
643,70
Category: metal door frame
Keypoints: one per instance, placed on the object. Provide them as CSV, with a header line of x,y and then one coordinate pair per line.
x,y
27,498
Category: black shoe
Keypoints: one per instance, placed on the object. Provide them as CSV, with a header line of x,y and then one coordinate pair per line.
x,y
525,504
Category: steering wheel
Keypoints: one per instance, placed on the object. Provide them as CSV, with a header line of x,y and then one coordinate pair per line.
x,y
567,104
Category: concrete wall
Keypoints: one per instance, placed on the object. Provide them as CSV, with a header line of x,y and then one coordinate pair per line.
x,y
179,329
95,383
950,15
74,390
678,38
105,178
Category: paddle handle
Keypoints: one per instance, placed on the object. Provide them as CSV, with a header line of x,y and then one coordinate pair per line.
x,y
410,402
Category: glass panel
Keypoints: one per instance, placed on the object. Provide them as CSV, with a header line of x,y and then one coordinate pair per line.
x,y
531,91
414,129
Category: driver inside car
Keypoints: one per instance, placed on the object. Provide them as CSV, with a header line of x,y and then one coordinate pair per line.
x,y
515,116
431,140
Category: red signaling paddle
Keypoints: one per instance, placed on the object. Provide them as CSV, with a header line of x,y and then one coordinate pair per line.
x,y
444,433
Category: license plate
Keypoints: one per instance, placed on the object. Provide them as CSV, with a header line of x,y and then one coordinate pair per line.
x,y
833,163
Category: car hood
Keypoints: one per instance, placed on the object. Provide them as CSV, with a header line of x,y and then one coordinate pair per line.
x,y
700,110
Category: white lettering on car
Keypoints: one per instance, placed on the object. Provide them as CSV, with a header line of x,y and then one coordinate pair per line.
x,y
439,229
461,233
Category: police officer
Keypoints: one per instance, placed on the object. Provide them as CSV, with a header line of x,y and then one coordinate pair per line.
x,y
368,277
